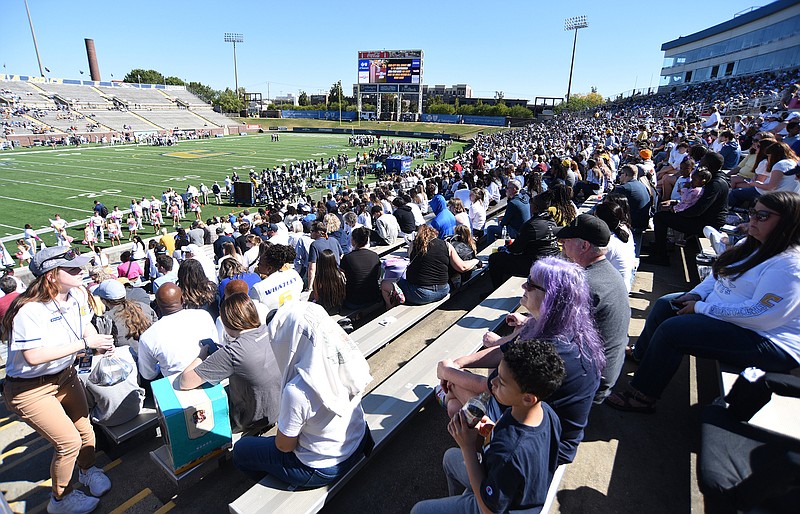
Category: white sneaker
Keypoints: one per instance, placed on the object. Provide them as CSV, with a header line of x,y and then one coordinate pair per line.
x,y
97,481
74,503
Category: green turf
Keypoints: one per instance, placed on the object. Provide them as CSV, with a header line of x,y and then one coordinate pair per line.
x,y
456,131
34,185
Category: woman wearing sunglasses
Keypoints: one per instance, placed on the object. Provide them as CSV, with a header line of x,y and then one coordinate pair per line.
x,y
46,327
557,297
745,313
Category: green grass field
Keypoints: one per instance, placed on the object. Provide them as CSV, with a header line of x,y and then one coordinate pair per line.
x,y
36,184
456,131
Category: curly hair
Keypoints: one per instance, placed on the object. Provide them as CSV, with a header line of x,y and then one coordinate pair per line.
x,y
566,309
535,366
134,317
332,223
425,234
277,255
561,201
198,291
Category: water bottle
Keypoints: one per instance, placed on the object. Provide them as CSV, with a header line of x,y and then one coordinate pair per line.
x,y
475,409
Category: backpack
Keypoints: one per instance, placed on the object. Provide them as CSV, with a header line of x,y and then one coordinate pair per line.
x,y
103,211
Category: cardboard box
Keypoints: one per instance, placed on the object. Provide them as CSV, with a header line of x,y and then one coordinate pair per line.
x,y
194,424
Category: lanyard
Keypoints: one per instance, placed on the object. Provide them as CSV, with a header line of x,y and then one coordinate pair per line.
x,y
64,317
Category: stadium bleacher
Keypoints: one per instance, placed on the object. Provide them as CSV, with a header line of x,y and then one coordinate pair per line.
x,y
25,93
143,98
84,96
175,119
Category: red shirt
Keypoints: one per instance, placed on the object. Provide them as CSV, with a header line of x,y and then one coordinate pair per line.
x,y
5,302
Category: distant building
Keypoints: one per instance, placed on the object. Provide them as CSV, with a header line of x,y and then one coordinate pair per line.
x,y
766,38
288,98
448,94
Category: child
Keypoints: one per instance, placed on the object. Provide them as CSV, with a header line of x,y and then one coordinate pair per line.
x,y
133,226
156,219
175,211
114,231
519,462
23,252
690,195
89,237
684,181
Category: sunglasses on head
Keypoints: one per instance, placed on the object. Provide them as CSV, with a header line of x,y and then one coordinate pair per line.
x,y
760,215
530,284
68,256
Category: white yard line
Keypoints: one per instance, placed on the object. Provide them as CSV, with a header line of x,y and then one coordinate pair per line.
x,y
57,187
42,203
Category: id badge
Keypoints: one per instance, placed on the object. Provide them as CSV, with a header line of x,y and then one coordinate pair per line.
x,y
85,363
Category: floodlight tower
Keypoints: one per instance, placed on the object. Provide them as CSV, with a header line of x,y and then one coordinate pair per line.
x,y
234,37
575,23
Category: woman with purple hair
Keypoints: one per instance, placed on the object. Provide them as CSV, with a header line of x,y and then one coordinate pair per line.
x,y
557,296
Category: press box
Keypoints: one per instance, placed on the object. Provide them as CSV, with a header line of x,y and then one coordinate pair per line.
x,y
194,424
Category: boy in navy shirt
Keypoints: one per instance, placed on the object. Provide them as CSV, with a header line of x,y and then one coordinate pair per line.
x,y
519,462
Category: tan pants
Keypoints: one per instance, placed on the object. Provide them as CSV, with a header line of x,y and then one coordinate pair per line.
x,y
55,406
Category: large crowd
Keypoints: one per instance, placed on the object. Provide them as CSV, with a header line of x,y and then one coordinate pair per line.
x,y
265,299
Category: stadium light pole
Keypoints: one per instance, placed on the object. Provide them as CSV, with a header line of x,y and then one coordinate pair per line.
x,y
575,23
33,35
234,37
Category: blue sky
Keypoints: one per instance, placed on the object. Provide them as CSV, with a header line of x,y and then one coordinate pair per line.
x,y
518,47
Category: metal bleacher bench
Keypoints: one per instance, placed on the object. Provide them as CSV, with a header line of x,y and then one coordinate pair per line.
x,y
381,331
390,405
146,419
779,415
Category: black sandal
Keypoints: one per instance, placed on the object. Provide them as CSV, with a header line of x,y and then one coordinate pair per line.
x,y
629,354
631,401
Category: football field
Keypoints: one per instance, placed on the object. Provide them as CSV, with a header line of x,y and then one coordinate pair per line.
x,y
36,184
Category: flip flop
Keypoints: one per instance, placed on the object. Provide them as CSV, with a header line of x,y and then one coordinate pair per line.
x,y
631,401
629,354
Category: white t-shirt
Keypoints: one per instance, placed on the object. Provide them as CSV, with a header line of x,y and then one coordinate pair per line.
x,y
278,288
173,342
477,215
623,257
39,325
324,439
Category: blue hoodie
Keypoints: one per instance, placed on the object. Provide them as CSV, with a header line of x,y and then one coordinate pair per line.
x,y
444,222
518,211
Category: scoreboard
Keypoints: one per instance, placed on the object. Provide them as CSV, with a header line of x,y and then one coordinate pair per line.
x,y
390,67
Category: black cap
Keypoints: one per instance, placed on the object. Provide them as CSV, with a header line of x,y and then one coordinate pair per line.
x,y
587,227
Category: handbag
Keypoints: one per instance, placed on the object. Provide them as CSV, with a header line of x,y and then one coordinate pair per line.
x,y
394,268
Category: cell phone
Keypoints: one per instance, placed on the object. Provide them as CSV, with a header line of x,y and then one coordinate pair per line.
x,y
676,306
210,344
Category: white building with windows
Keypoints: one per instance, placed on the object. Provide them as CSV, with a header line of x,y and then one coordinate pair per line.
x,y
762,39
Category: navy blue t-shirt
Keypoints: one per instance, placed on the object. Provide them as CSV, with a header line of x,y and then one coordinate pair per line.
x,y
519,463
573,400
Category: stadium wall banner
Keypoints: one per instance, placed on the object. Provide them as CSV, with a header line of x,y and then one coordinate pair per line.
x,y
494,121
440,118
397,133
320,115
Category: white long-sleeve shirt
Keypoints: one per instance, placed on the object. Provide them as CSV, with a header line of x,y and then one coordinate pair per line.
x,y
765,299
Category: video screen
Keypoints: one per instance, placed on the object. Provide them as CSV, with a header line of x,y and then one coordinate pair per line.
x,y
389,71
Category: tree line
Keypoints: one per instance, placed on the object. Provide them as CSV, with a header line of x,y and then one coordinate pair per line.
x,y
227,100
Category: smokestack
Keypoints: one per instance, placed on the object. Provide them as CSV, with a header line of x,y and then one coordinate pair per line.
x,y
94,69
